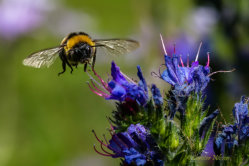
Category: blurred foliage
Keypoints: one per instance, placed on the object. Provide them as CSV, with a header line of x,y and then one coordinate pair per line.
x,y
47,120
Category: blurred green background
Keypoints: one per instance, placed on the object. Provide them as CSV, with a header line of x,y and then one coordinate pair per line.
x,y
47,120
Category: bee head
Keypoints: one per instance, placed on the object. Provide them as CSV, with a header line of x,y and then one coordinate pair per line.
x,y
81,52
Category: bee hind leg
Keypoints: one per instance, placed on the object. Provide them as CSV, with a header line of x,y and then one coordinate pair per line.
x,y
63,67
71,69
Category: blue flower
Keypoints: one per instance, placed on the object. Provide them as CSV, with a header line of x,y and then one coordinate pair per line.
x,y
240,113
225,140
157,97
133,155
122,87
240,110
236,133
135,145
185,79
206,122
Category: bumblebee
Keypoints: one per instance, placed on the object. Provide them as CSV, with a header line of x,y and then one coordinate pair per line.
x,y
79,48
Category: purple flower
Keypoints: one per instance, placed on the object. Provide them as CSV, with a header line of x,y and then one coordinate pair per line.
x,y
122,87
185,79
209,150
18,17
135,145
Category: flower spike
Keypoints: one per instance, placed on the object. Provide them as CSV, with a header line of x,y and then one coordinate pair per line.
x,y
121,86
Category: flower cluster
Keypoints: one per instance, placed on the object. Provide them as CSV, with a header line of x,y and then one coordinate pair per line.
x,y
135,145
185,79
147,130
235,134
119,88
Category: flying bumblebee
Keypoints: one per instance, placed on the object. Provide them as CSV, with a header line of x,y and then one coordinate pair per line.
x,y
78,47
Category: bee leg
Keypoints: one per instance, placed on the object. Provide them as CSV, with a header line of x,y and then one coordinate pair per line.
x,y
94,60
85,67
69,66
63,67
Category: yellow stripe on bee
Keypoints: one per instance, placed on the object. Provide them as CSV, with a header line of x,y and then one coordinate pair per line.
x,y
71,42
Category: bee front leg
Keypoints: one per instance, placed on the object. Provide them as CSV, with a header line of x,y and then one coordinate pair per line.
x,y
94,60
85,67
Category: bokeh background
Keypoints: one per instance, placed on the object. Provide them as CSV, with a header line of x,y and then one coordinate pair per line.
x,y
47,120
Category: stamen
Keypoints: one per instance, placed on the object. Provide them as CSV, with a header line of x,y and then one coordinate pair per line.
x,y
101,146
98,90
188,60
101,142
105,139
164,49
228,71
181,61
97,93
174,48
117,142
196,59
96,81
208,59
100,152
102,81
127,77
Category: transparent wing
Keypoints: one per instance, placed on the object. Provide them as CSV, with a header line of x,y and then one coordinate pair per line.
x,y
116,46
42,58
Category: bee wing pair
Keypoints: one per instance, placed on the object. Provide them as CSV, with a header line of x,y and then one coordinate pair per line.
x,y
45,58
